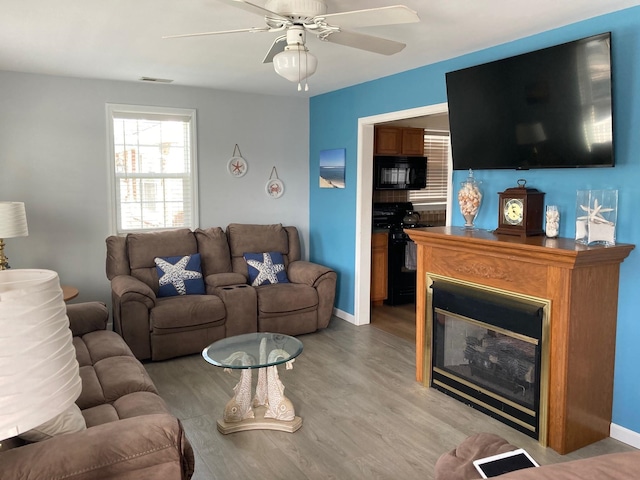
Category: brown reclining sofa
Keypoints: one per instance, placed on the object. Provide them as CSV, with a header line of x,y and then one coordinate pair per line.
x,y
158,328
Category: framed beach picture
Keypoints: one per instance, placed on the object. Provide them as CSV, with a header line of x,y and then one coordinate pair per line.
x,y
332,165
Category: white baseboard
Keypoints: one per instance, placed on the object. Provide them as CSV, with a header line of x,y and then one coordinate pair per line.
x,y
625,435
344,315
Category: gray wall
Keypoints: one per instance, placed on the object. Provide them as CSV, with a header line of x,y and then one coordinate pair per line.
x,y
53,157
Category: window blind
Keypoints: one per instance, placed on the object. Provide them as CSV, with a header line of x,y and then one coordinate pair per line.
x,y
153,167
436,149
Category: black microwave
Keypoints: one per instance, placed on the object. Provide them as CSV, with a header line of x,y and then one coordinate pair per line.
x,y
399,173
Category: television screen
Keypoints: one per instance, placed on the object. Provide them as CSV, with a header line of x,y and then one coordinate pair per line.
x,y
545,109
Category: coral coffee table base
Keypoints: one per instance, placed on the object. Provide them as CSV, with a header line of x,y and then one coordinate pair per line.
x,y
270,409
259,423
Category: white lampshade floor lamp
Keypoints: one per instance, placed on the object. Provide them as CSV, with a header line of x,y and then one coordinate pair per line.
x,y
39,373
13,223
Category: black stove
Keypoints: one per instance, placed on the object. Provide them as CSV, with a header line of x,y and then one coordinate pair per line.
x,y
390,215
401,254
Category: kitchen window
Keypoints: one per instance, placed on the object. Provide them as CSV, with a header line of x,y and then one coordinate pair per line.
x,y
436,148
152,165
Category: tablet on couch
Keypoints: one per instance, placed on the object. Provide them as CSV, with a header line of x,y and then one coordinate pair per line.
x,y
503,463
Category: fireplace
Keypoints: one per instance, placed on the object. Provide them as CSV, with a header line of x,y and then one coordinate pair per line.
x,y
489,350
580,284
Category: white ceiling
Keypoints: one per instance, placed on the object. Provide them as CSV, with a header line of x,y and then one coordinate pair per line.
x,y
121,39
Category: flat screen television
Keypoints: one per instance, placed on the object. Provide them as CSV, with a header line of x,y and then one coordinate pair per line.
x,y
550,108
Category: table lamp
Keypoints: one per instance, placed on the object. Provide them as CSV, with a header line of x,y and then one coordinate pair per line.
x,y
13,223
39,373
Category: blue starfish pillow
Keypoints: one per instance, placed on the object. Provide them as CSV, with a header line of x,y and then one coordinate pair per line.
x,y
265,268
179,275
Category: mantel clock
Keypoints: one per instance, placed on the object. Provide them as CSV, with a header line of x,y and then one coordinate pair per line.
x,y
520,211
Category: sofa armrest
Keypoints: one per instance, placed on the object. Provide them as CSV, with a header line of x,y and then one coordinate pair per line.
x,y
224,280
611,466
323,279
87,317
148,446
128,288
310,273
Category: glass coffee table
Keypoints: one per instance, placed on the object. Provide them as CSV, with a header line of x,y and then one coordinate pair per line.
x,y
269,409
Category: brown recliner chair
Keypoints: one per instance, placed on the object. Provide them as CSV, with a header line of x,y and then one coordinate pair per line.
x,y
303,304
164,327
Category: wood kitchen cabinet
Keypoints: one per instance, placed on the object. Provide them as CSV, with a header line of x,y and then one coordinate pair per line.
x,y
399,141
379,271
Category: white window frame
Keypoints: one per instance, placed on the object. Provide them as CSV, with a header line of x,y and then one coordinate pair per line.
x,y
188,115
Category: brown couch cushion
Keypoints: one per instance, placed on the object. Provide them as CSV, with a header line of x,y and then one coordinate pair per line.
x,y
108,369
143,248
614,466
87,317
95,346
286,297
117,260
294,244
131,405
245,238
214,250
177,313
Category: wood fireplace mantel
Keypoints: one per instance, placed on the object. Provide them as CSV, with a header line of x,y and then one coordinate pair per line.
x,y
582,285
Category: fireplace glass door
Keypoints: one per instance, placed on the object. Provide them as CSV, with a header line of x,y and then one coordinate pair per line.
x,y
487,353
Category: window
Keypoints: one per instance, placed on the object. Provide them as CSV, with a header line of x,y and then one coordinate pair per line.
x,y
436,149
152,163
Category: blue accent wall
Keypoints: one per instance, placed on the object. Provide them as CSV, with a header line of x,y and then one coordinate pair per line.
x,y
334,124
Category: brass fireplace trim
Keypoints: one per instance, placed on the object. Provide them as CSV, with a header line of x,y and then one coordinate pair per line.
x,y
483,390
545,340
518,336
486,405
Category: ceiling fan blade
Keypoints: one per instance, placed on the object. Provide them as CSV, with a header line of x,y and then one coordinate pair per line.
x,y
257,9
276,47
364,42
371,17
222,32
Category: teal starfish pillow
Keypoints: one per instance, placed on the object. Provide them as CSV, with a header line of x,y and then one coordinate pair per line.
x,y
265,268
179,275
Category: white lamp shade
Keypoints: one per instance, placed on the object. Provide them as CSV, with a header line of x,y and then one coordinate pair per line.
x,y
295,63
39,374
13,220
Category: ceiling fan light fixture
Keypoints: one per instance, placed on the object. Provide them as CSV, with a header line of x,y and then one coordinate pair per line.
x,y
295,63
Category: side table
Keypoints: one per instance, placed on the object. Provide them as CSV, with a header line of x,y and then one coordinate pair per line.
x,y
69,292
270,409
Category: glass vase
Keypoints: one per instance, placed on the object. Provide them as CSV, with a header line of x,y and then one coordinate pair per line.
x,y
596,217
469,199
552,221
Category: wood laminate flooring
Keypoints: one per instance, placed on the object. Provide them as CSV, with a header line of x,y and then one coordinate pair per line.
x,y
364,415
399,320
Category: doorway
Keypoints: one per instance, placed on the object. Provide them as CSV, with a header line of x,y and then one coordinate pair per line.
x,y
364,198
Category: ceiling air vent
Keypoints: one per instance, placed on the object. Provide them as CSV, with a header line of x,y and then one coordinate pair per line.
x,y
155,80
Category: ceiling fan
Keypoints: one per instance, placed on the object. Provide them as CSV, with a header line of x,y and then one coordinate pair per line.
x,y
290,56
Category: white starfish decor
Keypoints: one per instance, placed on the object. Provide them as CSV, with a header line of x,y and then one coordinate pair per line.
x,y
594,215
176,274
267,270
